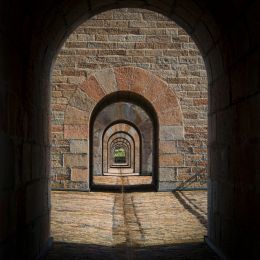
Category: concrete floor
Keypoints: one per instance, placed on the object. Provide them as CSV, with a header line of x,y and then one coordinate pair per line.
x,y
136,225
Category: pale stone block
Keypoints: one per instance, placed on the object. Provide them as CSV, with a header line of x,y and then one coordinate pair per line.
x,y
168,174
79,174
171,133
76,160
81,101
78,146
106,79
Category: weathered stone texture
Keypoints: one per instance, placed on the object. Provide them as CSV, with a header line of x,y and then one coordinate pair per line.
x,y
78,174
75,160
98,58
78,146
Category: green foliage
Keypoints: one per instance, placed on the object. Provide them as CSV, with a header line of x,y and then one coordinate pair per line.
x,y
119,152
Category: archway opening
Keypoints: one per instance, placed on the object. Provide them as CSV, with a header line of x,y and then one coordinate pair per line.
x,y
119,155
117,121
126,134
164,82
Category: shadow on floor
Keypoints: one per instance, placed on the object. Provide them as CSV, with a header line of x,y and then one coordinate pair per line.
x,y
192,208
186,251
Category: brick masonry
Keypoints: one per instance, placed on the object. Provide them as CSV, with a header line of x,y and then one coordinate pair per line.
x,y
133,38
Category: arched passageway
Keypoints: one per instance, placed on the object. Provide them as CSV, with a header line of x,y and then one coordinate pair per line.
x,y
128,132
227,35
126,142
112,115
164,118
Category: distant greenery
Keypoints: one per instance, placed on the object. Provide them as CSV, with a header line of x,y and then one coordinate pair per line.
x,y
120,152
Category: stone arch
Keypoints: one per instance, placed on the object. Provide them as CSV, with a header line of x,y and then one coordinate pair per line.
x,y
136,80
126,81
130,130
217,36
130,141
118,140
119,110
121,143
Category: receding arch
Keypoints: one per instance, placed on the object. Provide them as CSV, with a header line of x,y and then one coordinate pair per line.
x,y
128,98
114,142
131,143
52,23
124,148
135,138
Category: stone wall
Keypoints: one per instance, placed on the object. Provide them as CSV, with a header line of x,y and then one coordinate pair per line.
x,y
136,38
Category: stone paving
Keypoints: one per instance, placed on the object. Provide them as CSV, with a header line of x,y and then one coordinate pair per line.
x,y
134,225
123,180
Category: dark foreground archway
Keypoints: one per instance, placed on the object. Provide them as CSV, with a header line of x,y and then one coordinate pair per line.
x,y
232,65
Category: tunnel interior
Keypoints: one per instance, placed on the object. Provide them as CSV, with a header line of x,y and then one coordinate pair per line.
x,y
227,36
118,126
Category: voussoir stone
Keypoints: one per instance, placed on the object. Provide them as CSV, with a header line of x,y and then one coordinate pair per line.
x,y
106,79
92,88
81,101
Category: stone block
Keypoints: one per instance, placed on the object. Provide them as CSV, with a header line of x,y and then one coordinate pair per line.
x,y
76,160
81,101
75,116
167,186
78,146
171,160
123,76
57,128
168,174
106,79
75,131
78,174
200,101
172,117
171,133
167,147
59,172
92,88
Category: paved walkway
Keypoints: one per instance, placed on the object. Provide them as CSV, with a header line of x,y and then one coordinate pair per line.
x,y
124,180
137,225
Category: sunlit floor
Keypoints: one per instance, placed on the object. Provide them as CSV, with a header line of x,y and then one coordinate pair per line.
x,y
136,225
124,180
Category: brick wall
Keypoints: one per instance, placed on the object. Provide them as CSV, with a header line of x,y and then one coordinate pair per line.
x,y
138,38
